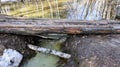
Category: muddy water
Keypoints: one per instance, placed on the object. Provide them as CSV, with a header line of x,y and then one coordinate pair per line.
x,y
46,60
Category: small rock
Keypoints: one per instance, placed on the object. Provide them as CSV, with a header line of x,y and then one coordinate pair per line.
x,y
10,58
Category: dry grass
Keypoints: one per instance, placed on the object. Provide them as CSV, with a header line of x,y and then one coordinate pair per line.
x,y
41,9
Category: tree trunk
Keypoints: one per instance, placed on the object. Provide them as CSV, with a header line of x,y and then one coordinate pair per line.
x,y
93,9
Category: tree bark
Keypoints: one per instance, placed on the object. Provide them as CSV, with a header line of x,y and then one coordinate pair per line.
x,y
39,26
92,9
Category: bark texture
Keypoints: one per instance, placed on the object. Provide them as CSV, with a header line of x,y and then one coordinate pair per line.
x,y
41,26
92,9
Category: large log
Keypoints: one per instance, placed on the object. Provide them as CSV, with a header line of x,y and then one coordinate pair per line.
x,y
40,26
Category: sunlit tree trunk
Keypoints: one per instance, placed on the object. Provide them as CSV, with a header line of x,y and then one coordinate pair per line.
x,y
92,9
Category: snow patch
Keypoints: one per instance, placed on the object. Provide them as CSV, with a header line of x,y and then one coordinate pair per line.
x,y
10,58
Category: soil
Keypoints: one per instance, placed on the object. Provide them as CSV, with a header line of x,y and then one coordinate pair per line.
x,y
17,42
93,51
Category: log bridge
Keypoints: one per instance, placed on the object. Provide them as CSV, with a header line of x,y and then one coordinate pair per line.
x,y
39,26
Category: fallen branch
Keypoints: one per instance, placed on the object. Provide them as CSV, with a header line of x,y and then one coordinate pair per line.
x,y
49,51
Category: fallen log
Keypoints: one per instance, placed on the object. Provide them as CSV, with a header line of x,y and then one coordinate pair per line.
x,y
40,26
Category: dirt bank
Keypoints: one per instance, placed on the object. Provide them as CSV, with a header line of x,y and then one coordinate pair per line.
x,y
93,51
18,43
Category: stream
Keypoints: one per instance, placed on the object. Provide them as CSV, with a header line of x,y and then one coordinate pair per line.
x,y
46,60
